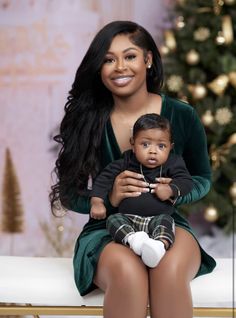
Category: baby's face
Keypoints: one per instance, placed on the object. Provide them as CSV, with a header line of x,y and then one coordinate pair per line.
x,y
152,147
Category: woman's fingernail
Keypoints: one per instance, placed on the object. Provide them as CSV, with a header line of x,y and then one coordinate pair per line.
x,y
152,185
146,190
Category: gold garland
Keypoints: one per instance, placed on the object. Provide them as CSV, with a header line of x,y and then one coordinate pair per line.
x,y
227,29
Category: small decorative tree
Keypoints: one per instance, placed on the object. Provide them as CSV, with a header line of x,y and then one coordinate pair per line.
x,y
12,210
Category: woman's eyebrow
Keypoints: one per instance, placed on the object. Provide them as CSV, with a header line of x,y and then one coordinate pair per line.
x,y
124,51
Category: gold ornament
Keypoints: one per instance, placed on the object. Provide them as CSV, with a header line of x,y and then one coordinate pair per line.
x,y
207,118
211,214
227,29
218,155
232,79
201,34
164,50
223,115
229,2
198,91
192,57
219,84
174,83
218,6
170,40
232,190
180,22
232,139
220,39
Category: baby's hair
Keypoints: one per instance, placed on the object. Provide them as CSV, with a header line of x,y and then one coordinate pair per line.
x,y
152,121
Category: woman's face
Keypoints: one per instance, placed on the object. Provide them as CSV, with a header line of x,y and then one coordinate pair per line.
x,y
125,66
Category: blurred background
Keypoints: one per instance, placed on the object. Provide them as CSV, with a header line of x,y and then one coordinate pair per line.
x,y
41,45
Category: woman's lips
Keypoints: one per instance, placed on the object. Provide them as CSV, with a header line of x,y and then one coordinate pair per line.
x,y
122,80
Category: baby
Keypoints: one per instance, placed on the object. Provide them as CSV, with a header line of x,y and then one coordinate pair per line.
x,y
144,223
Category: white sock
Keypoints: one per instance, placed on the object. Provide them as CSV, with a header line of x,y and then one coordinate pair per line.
x,y
136,241
152,252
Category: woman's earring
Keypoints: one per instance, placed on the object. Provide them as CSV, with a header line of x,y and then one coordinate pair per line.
x,y
149,66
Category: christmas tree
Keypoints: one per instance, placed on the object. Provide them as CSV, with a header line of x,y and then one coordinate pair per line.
x,y
12,211
199,55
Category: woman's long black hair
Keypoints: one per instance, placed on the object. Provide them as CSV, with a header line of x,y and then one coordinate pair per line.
x,y
87,110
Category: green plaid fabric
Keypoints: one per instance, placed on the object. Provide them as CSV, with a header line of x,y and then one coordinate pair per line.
x,y
158,227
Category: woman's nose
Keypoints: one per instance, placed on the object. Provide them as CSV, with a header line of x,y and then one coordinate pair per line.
x,y
121,65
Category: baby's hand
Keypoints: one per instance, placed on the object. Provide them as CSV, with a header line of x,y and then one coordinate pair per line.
x,y
98,210
163,191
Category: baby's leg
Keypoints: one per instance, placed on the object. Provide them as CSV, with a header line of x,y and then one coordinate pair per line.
x,y
161,231
122,230
119,226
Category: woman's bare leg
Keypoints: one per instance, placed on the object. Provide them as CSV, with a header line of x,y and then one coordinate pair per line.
x,y
170,294
124,279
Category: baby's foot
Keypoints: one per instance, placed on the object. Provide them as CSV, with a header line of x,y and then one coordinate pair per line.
x,y
136,241
152,252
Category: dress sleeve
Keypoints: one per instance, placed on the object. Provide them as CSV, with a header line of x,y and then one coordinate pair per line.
x,y
182,182
196,157
103,183
101,188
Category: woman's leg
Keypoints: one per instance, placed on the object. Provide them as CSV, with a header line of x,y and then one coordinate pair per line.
x,y
169,282
124,278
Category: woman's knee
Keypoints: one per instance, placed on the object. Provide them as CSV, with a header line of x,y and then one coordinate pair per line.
x,y
181,262
120,267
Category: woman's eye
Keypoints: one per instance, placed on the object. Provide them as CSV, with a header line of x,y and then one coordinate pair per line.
x,y
130,57
108,60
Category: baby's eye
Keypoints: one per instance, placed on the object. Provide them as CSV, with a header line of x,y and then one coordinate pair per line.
x,y
162,146
145,144
130,57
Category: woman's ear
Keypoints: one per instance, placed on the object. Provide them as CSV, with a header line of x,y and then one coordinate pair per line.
x,y
172,145
148,59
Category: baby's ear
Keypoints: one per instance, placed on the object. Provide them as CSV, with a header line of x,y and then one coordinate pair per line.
x,y
131,140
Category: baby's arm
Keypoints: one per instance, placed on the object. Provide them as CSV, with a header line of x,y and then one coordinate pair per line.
x,y
180,181
98,209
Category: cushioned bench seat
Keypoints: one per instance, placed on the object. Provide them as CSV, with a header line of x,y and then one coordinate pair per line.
x,y
37,285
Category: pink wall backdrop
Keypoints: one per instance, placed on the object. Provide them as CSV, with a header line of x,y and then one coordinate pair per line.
x,y
41,45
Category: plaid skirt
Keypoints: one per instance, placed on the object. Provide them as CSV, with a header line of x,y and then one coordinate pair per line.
x,y
158,227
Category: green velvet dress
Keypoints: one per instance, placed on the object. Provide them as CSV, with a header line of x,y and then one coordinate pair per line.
x,y
190,142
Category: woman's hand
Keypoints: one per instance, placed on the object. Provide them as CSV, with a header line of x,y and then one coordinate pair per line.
x,y
127,184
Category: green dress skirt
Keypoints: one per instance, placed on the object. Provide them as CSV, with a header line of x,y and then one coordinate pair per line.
x,y
190,142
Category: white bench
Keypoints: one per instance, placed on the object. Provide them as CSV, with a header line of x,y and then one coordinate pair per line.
x,y
37,285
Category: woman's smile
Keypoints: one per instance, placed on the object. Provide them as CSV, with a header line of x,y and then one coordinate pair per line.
x,y
122,80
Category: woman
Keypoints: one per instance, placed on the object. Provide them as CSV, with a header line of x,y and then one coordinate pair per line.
x,y
118,80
